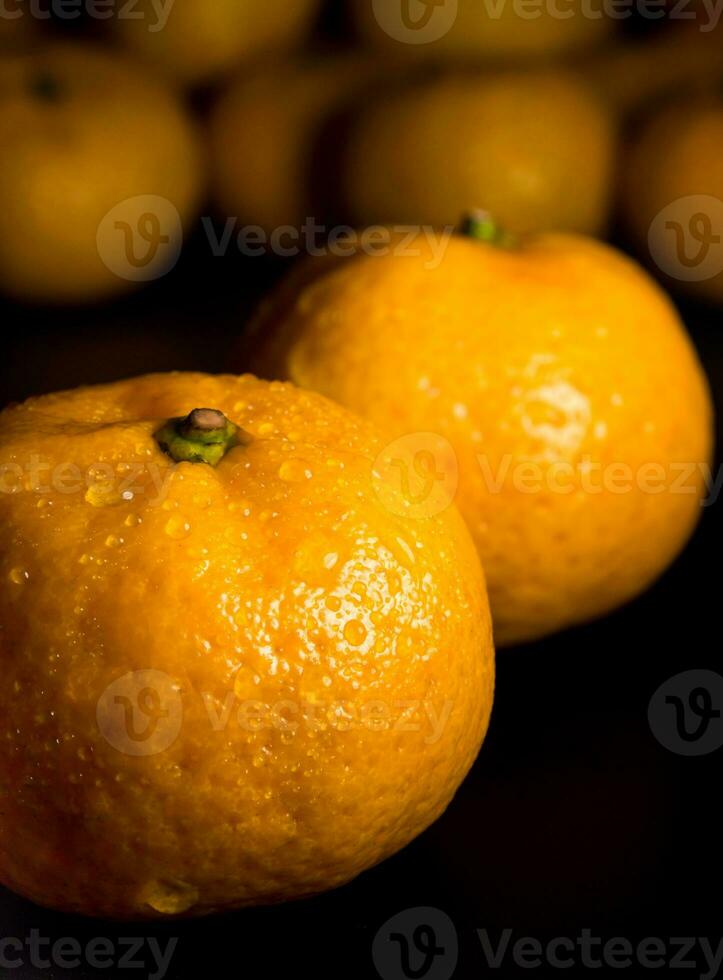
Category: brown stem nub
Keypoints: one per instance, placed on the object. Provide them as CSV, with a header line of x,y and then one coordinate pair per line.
x,y
205,435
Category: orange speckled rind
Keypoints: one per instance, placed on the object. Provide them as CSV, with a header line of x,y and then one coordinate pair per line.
x,y
280,577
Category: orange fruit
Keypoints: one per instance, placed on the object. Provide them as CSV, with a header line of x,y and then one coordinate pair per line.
x,y
101,169
239,667
558,373
536,148
454,30
266,132
672,195
194,41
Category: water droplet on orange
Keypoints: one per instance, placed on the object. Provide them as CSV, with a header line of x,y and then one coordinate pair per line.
x,y
294,471
355,633
178,527
18,576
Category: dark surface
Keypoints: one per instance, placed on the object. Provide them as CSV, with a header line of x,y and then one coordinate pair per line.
x,y
574,815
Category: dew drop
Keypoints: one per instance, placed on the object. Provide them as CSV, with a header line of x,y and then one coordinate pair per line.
x,y
294,471
18,576
102,495
178,527
133,520
333,603
113,542
355,633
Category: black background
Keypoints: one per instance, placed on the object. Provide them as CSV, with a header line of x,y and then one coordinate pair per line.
x,y
573,817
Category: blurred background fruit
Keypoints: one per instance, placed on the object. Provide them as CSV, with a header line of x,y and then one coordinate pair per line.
x,y
672,195
557,358
102,166
196,41
266,134
536,148
474,30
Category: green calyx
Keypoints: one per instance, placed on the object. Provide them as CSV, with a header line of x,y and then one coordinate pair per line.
x,y
203,436
481,226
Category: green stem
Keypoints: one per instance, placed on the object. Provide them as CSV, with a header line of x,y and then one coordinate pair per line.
x,y
204,436
481,226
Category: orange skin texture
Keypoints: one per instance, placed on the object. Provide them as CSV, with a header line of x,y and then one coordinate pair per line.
x,y
475,34
263,134
62,172
560,356
677,154
537,149
203,40
281,578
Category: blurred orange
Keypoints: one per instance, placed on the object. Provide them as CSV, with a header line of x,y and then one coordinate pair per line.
x,y
536,148
266,134
672,194
195,41
101,169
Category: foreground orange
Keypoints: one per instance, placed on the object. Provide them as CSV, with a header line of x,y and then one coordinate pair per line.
x,y
559,373
237,679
